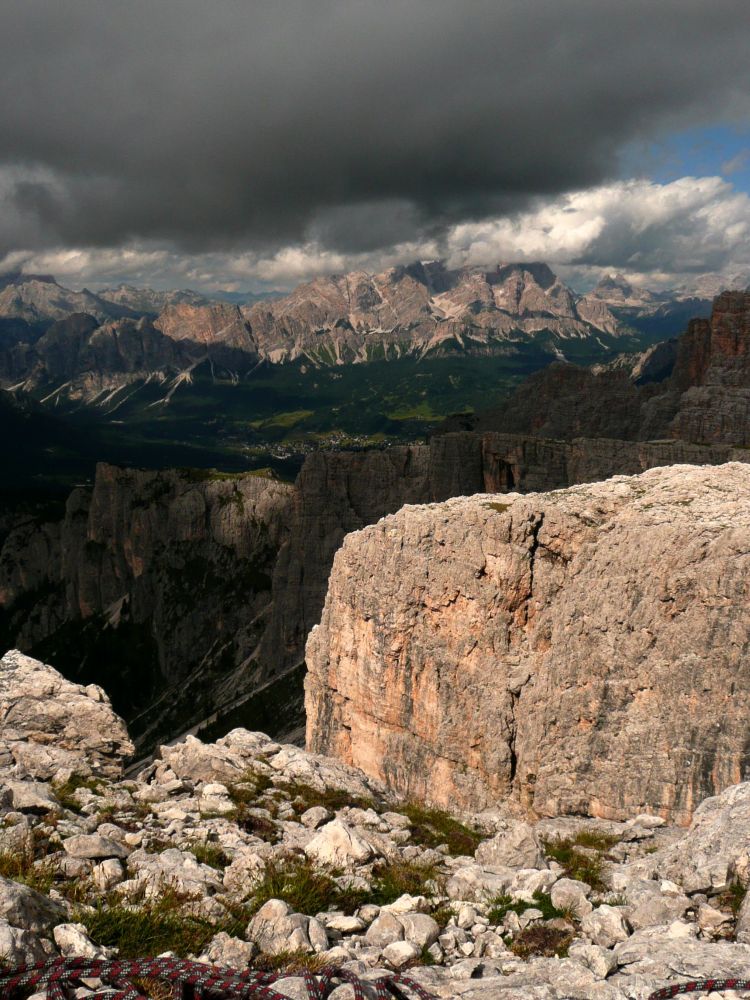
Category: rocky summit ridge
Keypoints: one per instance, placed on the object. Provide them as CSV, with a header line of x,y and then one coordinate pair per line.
x,y
88,346
250,852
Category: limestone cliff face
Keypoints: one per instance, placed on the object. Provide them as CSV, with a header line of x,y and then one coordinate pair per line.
x,y
714,367
164,577
705,401
156,583
584,651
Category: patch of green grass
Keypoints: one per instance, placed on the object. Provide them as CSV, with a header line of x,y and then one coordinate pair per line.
x,y
582,856
249,787
541,940
304,797
392,879
733,897
421,411
442,915
293,963
501,905
425,958
148,927
208,853
20,867
595,839
289,419
64,793
433,827
305,887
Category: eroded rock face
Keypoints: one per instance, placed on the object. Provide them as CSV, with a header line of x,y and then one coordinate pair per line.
x,y
174,567
574,649
705,400
49,725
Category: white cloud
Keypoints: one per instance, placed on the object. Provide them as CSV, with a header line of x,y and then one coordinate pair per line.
x,y
661,231
658,234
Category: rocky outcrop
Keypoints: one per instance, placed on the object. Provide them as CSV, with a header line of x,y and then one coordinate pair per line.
x,y
715,369
213,325
37,298
52,728
121,569
573,649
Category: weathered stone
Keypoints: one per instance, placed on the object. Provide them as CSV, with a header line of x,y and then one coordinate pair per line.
x,y
50,724
107,874
384,929
400,953
32,796
21,947
73,941
178,869
230,952
94,846
662,958
419,928
653,903
474,882
314,817
605,926
600,960
638,579
25,908
569,894
709,856
343,924
517,847
275,929
338,845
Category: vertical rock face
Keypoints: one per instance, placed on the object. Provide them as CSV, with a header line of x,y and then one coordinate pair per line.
x,y
337,492
714,365
585,651
705,401
165,577
341,492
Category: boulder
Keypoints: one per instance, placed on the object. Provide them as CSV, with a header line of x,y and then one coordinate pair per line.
x,y
516,847
94,846
605,926
338,845
25,908
51,725
714,852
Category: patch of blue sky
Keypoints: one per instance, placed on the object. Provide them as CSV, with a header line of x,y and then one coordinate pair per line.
x,y
708,151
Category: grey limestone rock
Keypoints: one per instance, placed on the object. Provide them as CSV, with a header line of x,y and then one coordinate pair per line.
x,y
613,595
51,725
516,847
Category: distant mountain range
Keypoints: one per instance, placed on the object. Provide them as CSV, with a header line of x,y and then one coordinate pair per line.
x,y
86,345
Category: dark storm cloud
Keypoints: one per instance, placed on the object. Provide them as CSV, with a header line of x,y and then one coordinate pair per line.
x,y
221,123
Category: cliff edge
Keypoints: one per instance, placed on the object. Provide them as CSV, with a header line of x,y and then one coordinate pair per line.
x,y
582,651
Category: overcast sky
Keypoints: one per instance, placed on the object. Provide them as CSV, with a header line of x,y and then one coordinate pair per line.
x,y
256,143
